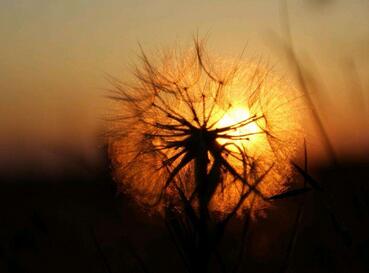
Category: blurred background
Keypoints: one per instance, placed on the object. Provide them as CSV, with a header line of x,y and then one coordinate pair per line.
x,y
56,54
59,207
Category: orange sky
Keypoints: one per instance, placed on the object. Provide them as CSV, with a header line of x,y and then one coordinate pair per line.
x,y
54,56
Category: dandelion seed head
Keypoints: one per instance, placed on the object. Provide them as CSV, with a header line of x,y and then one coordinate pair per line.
x,y
239,112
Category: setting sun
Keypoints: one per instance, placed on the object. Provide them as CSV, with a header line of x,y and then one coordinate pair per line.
x,y
245,136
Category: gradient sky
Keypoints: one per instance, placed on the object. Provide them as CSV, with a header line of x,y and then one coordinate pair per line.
x,y
55,55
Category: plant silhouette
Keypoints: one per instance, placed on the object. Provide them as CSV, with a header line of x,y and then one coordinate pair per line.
x,y
173,151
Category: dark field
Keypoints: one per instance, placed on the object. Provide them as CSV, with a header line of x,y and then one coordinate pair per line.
x,y
75,221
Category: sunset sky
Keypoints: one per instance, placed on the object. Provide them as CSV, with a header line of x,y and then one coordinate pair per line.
x,y
55,56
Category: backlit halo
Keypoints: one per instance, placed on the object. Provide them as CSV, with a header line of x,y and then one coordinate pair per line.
x,y
242,113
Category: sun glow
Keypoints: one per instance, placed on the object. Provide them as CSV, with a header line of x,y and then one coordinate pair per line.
x,y
244,136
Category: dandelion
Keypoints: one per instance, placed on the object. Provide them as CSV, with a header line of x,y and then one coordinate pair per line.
x,y
195,131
